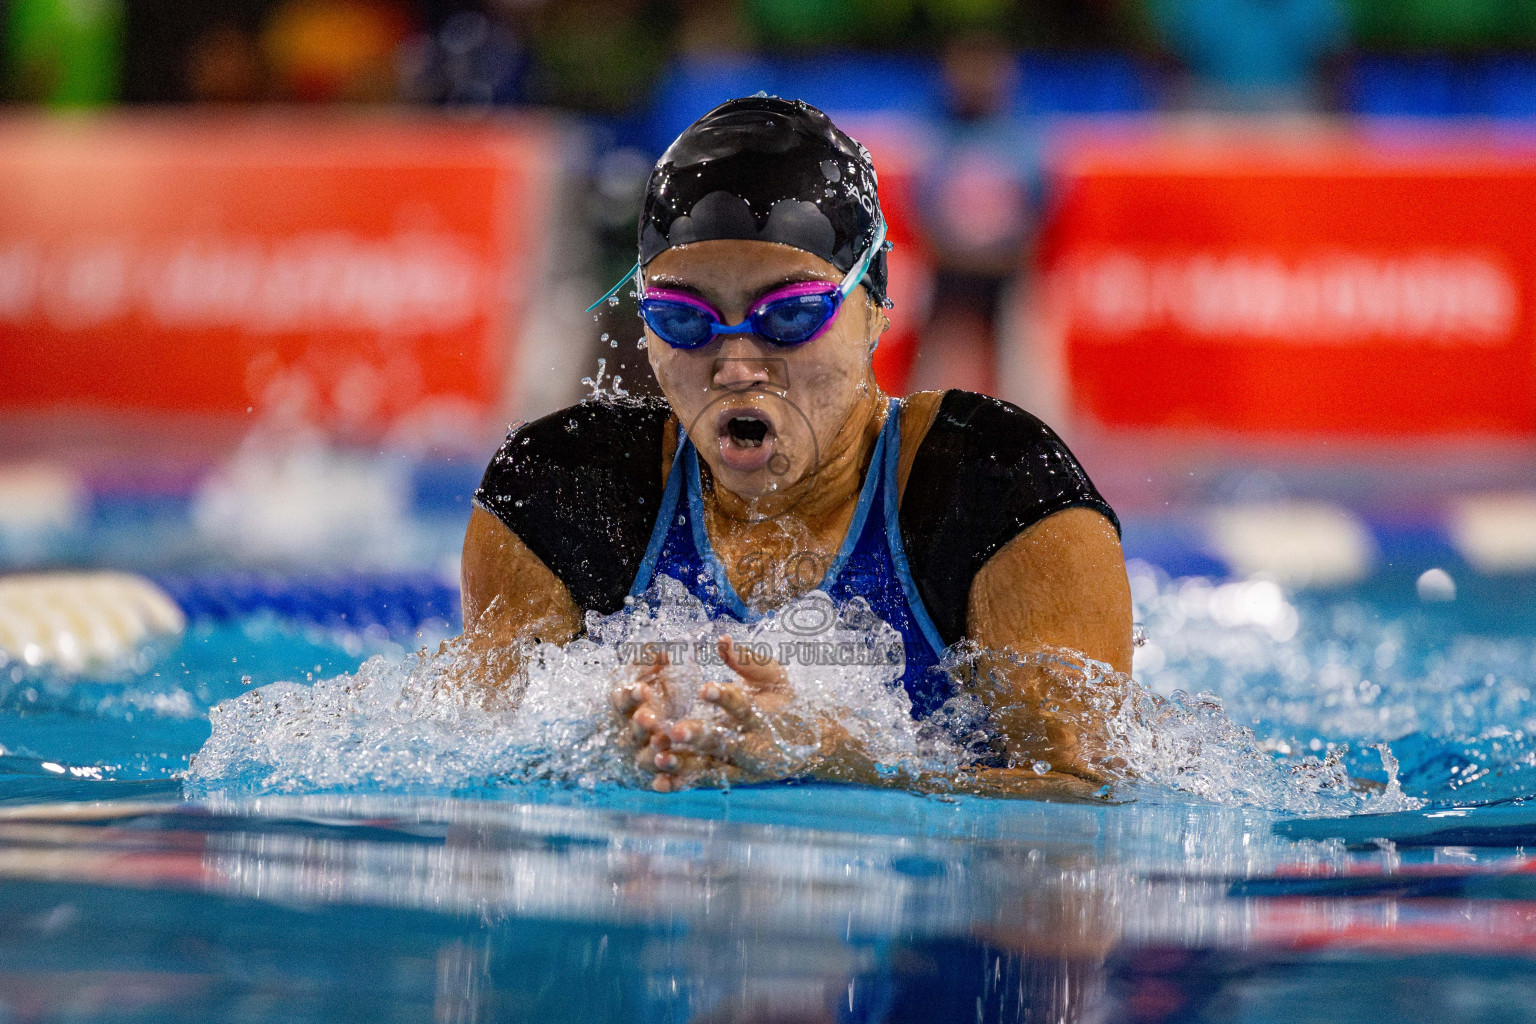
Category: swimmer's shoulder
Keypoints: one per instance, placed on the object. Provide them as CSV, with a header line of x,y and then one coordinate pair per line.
x,y
975,472
580,487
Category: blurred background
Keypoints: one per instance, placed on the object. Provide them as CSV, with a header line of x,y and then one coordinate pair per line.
x,y
276,275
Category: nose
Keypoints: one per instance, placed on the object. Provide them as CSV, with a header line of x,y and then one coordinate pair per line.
x,y
742,364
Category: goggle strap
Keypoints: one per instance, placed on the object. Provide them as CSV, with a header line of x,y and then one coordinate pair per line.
x,y
633,271
856,275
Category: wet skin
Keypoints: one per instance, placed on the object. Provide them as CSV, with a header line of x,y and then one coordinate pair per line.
x,y
785,436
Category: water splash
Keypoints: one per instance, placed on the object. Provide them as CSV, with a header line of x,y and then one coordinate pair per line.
x,y
1179,742
1341,673
411,724
612,391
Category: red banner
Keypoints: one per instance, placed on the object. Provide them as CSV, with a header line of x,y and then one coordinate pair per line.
x,y
1297,284
366,271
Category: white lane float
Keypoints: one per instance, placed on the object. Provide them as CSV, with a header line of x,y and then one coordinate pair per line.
x,y
74,621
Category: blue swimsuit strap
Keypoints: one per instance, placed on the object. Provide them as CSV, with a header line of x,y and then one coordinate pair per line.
x,y
664,514
702,547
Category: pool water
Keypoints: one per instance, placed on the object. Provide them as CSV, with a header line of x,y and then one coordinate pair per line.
x,y
1223,887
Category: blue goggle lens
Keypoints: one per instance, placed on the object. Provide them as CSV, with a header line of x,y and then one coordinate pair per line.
x,y
676,323
794,320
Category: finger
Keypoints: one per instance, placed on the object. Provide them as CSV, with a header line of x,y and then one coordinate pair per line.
x,y
718,775
710,773
649,680
763,674
625,699
683,734
733,701
696,737
645,760
652,761
628,700
682,763
736,705
646,722
655,668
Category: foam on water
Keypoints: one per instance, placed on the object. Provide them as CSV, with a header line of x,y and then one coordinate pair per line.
x,y
407,724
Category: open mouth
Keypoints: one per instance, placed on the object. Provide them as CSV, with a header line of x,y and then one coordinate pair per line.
x,y
746,431
746,438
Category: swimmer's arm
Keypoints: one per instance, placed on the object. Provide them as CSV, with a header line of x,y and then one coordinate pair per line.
x,y
1059,584
508,595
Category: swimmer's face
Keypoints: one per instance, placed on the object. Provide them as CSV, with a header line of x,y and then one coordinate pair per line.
x,y
760,415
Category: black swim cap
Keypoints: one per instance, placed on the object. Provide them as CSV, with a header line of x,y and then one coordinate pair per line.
x,y
772,170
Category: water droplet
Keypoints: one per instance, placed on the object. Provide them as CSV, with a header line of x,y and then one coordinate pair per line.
x,y
1040,767
1138,634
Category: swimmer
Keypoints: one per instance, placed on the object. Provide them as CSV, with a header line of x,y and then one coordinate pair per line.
x,y
776,466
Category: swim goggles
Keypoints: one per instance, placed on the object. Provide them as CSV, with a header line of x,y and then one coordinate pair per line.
x,y
788,316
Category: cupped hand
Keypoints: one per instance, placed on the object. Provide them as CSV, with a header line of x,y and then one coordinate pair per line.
x,y
761,737
646,707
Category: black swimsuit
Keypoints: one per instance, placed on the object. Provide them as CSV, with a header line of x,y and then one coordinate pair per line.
x,y
583,487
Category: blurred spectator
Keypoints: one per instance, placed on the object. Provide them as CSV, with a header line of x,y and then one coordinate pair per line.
x,y
600,56
473,59
320,50
712,27
879,23
1253,54
797,23
1084,25
977,212
66,52
909,24
224,66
